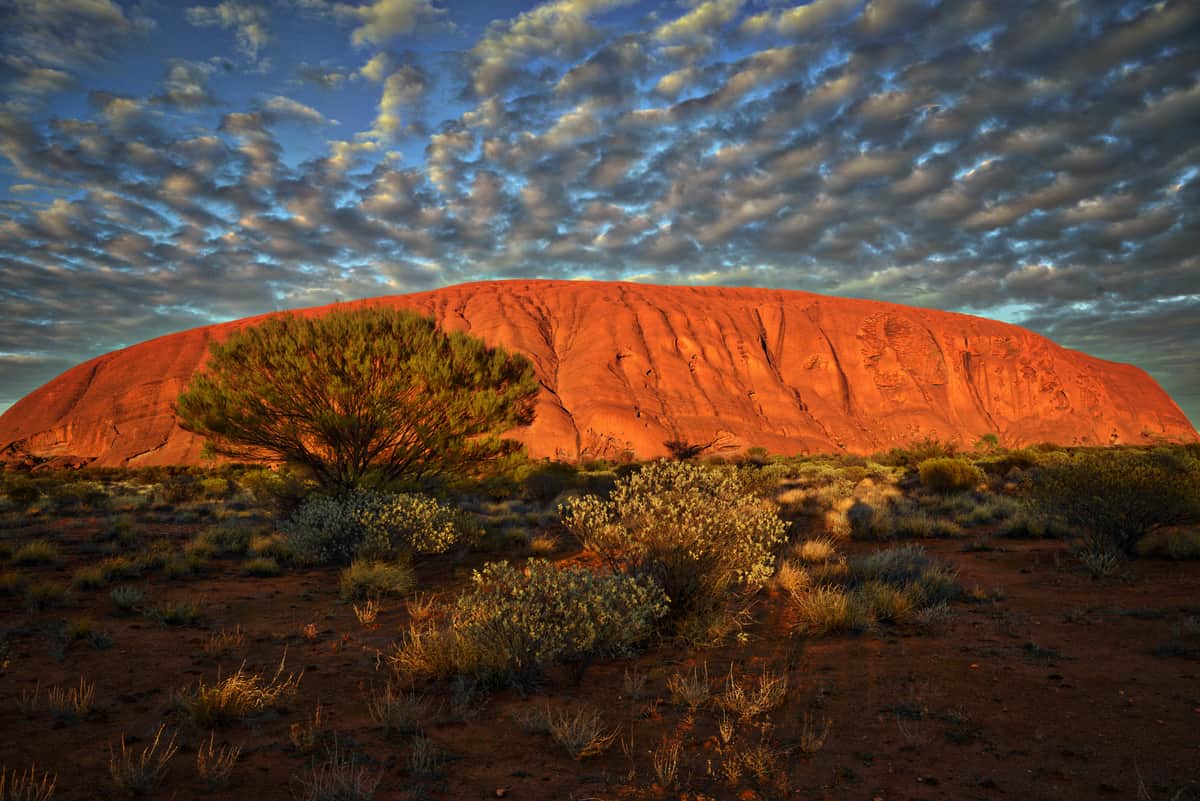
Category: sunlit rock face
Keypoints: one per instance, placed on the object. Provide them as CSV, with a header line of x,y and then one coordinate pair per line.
x,y
626,367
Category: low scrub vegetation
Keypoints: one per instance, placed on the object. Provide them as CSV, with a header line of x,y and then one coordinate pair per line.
x,y
694,530
886,587
1115,497
511,623
373,525
676,558
949,475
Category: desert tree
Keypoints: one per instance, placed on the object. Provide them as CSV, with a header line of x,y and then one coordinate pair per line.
x,y
361,398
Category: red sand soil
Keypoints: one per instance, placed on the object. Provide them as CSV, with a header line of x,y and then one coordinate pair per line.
x,y
626,367
1052,691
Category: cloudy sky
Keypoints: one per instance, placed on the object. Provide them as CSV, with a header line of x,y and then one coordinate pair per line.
x,y
165,165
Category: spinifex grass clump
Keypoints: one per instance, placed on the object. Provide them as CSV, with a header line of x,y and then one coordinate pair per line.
x,y
696,531
368,579
889,586
511,623
373,525
238,696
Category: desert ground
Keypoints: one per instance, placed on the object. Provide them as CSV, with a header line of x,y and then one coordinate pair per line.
x,y
128,597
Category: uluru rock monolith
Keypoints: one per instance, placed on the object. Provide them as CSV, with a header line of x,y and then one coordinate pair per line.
x,y
626,367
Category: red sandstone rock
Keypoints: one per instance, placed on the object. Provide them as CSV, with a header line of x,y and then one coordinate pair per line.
x,y
630,366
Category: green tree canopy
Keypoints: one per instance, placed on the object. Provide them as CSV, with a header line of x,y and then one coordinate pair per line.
x,y
361,397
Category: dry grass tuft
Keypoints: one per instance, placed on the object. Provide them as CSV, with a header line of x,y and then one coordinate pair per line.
x,y
747,702
397,712
367,612
338,778
141,773
26,786
222,642
665,760
215,763
691,689
239,696
71,703
581,732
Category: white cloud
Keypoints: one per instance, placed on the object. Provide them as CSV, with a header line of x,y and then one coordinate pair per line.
x,y
801,19
248,21
383,20
279,107
557,28
401,90
702,21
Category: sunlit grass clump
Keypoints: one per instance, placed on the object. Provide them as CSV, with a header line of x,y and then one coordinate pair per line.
x,y
238,696
886,587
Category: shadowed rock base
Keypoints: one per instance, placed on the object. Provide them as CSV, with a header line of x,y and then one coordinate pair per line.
x,y
626,367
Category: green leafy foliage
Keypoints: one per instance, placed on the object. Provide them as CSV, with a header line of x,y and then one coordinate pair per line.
x,y
695,530
1115,497
360,398
373,525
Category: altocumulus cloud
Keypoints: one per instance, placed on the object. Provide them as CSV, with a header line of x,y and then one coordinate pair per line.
x,y
1035,161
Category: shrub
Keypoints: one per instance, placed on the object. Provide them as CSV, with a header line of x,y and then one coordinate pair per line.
x,y
214,487
1179,544
1117,496
36,552
917,452
546,481
22,493
223,540
12,583
369,579
949,475
375,525
126,599
694,530
92,577
271,546
511,623
46,594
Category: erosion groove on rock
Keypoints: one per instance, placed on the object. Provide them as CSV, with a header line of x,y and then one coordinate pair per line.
x,y
626,367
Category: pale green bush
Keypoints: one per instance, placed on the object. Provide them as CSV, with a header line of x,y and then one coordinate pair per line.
x,y
512,622
373,525
695,530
